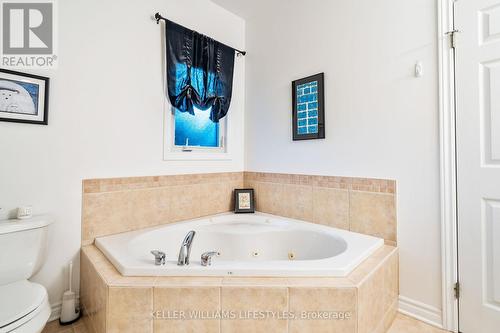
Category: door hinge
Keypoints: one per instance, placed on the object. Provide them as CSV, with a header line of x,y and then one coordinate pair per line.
x,y
456,288
453,37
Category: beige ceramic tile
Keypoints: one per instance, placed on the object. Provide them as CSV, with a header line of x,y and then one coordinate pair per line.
x,y
320,282
51,327
113,212
390,243
298,202
362,272
373,214
197,308
371,302
388,319
134,183
122,204
87,322
54,327
331,207
331,182
132,281
336,306
93,293
214,198
130,310
358,184
192,281
101,264
391,280
358,204
99,294
243,300
255,281
378,292
271,198
378,296
404,324
81,328
184,203
85,280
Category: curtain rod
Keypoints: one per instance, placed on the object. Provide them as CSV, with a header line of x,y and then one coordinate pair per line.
x,y
158,17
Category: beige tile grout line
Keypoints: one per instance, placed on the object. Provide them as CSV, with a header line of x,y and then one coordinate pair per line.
x,y
349,207
152,307
154,187
220,308
288,308
107,308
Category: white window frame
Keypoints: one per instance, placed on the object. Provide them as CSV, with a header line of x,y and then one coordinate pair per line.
x,y
171,152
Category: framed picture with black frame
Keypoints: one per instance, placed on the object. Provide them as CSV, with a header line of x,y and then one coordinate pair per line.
x,y
24,98
308,117
244,201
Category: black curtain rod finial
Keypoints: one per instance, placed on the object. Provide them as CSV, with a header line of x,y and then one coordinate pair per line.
x,y
158,17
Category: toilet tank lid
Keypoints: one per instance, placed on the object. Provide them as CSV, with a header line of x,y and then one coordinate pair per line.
x,y
15,225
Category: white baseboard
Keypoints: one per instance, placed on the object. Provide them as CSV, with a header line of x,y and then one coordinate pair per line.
x,y
56,309
423,312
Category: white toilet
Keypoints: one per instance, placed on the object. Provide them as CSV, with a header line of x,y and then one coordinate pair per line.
x,y
24,305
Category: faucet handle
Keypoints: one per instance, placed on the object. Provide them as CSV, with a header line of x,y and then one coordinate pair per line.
x,y
206,258
160,257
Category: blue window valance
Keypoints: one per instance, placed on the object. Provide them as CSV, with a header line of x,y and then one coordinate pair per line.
x,y
199,71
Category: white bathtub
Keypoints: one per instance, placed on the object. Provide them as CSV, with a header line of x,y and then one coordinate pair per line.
x,y
249,245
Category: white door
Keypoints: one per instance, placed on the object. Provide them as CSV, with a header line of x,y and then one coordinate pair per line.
x,y
478,163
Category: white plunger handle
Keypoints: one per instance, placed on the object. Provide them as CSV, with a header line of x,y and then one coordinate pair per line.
x,y
70,274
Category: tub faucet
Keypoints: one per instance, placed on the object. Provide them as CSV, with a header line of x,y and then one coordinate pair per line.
x,y
185,250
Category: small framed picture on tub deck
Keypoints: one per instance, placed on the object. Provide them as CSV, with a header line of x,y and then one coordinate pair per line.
x,y
244,201
24,98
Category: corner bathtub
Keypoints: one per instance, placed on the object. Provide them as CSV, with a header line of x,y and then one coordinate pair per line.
x,y
249,245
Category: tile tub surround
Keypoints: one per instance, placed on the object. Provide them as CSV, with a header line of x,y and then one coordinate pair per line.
x,y
361,205
116,205
114,303
123,204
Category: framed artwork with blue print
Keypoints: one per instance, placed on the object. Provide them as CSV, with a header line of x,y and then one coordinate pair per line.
x,y
308,118
24,98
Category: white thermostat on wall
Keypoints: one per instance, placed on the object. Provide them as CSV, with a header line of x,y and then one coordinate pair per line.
x,y
419,69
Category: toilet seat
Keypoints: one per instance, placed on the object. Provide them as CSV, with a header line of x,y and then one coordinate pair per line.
x,y
24,307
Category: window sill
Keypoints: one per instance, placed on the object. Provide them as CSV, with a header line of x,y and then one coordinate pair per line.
x,y
196,156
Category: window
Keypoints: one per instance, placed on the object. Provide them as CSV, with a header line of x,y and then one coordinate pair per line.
x,y
195,136
196,131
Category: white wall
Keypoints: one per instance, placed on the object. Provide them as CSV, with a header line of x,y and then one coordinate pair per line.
x,y
106,114
381,121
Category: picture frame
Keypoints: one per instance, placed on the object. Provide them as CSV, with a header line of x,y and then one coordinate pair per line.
x,y
24,98
244,201
308,116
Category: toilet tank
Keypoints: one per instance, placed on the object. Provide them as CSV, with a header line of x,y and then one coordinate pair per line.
x,y
23,245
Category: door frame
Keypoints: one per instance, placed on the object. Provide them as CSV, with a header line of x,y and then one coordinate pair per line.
x,y
448,180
